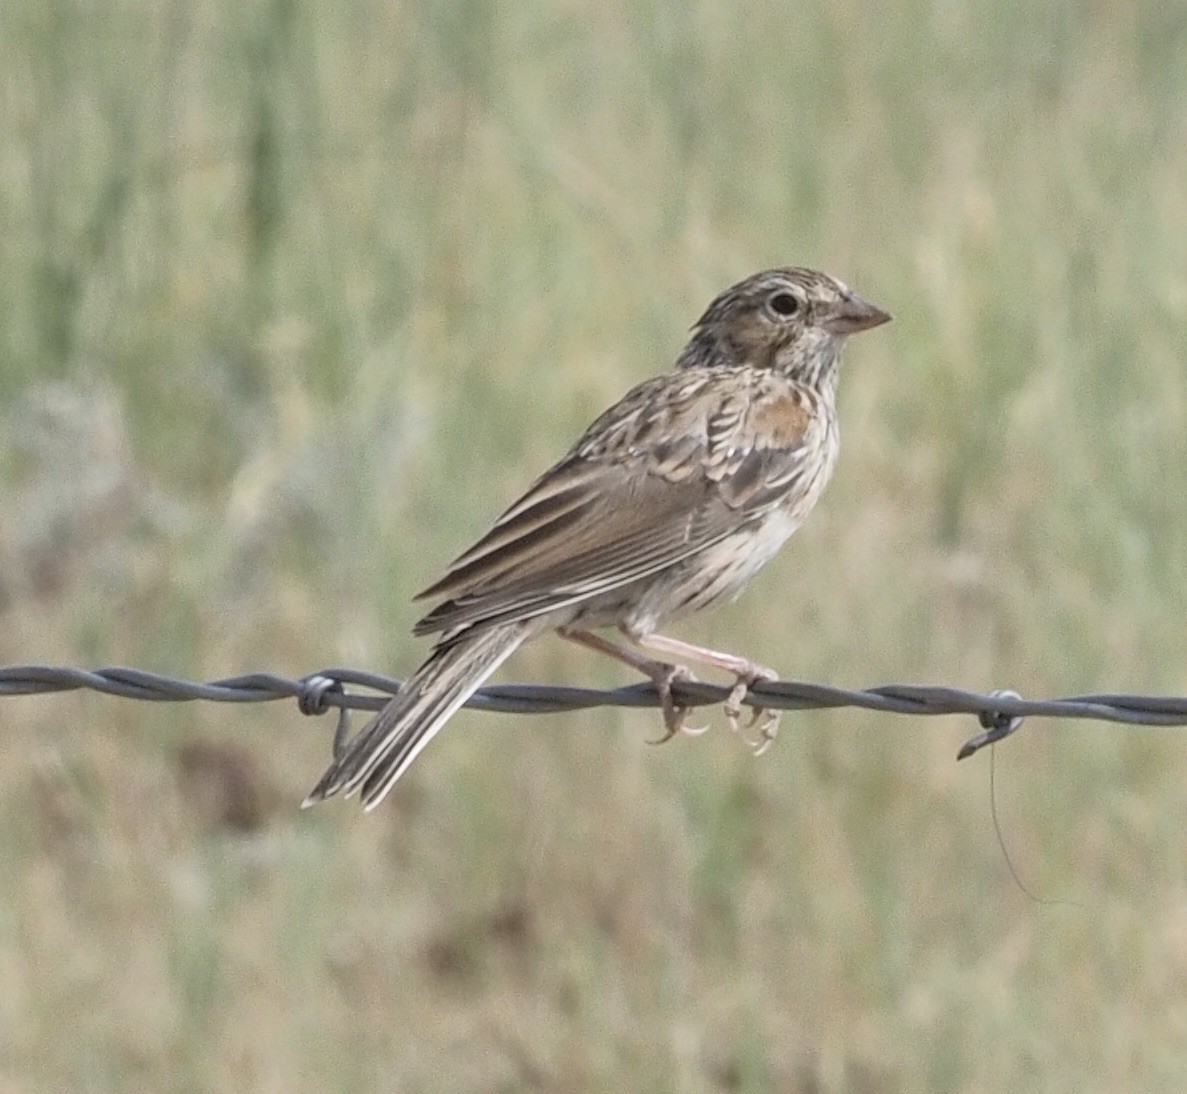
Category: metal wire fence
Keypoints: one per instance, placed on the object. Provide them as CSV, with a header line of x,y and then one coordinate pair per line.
x,y
1000,712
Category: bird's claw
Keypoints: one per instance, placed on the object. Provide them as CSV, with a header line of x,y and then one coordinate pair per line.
x,y
675,714
769,718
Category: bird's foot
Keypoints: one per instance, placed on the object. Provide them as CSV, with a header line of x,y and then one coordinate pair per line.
x,y
675,714
769,719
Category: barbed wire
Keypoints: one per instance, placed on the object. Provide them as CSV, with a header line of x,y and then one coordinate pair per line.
x,y
1000,712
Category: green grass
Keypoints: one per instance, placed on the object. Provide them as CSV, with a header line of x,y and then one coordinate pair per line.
x,y
294,297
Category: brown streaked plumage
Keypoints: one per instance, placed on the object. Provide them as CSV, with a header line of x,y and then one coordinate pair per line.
x,y
671,501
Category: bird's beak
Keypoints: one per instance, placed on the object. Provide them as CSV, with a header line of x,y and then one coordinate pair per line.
x,y
853,314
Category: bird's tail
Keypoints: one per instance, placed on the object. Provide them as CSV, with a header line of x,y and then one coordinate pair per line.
x,y
384,749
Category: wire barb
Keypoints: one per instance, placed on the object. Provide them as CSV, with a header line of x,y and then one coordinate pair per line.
x,y
1000,712
997,724
315,690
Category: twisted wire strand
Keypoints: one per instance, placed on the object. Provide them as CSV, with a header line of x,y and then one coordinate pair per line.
x,y
1000,712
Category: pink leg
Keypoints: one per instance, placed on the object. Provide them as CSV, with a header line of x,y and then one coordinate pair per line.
x,y
747,672
662,674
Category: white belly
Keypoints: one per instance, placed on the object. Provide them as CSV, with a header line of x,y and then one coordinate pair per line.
x,y
719,573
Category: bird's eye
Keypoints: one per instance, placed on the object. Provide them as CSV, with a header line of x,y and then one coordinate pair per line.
x,y
783,303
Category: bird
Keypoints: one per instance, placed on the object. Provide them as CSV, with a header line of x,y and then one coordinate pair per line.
x,y
671,500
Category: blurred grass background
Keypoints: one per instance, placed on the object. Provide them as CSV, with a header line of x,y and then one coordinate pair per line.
x,y
294,297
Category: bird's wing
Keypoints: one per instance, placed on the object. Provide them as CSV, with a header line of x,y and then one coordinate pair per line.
x,y
680,463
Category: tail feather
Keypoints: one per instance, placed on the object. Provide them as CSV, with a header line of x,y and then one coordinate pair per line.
x,y
384,749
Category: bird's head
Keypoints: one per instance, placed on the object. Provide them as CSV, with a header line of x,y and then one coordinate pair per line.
x,y
791,319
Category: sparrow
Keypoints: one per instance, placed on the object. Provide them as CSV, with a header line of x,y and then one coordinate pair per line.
x,y
671,501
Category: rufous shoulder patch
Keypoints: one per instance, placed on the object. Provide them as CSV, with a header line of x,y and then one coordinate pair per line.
x,y
780,420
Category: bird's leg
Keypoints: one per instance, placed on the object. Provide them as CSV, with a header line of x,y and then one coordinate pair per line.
x,y
747,672
662,674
